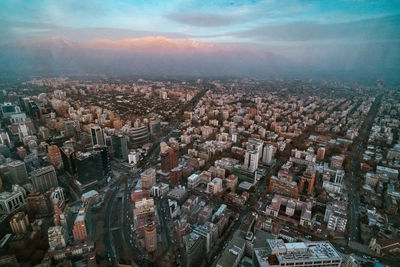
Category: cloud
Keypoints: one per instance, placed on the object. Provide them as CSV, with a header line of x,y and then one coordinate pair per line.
x,y
202,20
368,29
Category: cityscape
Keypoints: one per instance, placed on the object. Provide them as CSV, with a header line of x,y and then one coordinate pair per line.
x,y
149,148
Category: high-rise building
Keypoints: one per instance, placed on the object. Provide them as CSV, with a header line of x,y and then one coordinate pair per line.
x,y
168,157
155,126
119,146
70,128
139,135
97,136
194,249
268,154
251,160
92,167
148,178
150,237
68,156
44,179
321,153
19,223
17,172
54,156
231,182
80,231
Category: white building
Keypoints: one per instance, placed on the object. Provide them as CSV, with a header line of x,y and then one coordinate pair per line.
x,y
215,186
318,253
133,157
251,160
11,201
268,154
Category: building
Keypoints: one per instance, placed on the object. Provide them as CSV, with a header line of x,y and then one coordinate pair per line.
x,y
215,186
231,182
144,213
54,155
155,126
233,252
44,179
139,135
119,146
283,184
148,178
194,249
133,157
279,253
57,237
320,154
336,217
19,223
169,157
37,205
150,237
268,154
68,156
92,167
11,201
80,231
385,247
70,128
17,172
251,160
337,162
307,180
97,136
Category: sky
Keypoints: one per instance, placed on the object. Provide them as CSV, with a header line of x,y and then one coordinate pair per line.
x,y
297,29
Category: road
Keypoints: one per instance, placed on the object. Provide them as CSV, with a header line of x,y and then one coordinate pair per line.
x,y
107,224
354,189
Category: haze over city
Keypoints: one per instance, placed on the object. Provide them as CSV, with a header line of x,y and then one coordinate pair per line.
x,y
219,38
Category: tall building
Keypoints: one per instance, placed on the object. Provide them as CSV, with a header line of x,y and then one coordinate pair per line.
x,y
44,179
251,160
54,156
70,128
168,157
155,126
268,154
80,231
148,178
92,167
321,153
17,172
119,146
139,135
97,136
194,249
68,156
150,237
19,223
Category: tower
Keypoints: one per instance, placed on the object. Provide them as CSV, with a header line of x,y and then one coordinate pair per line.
x,y
150,237
97,136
